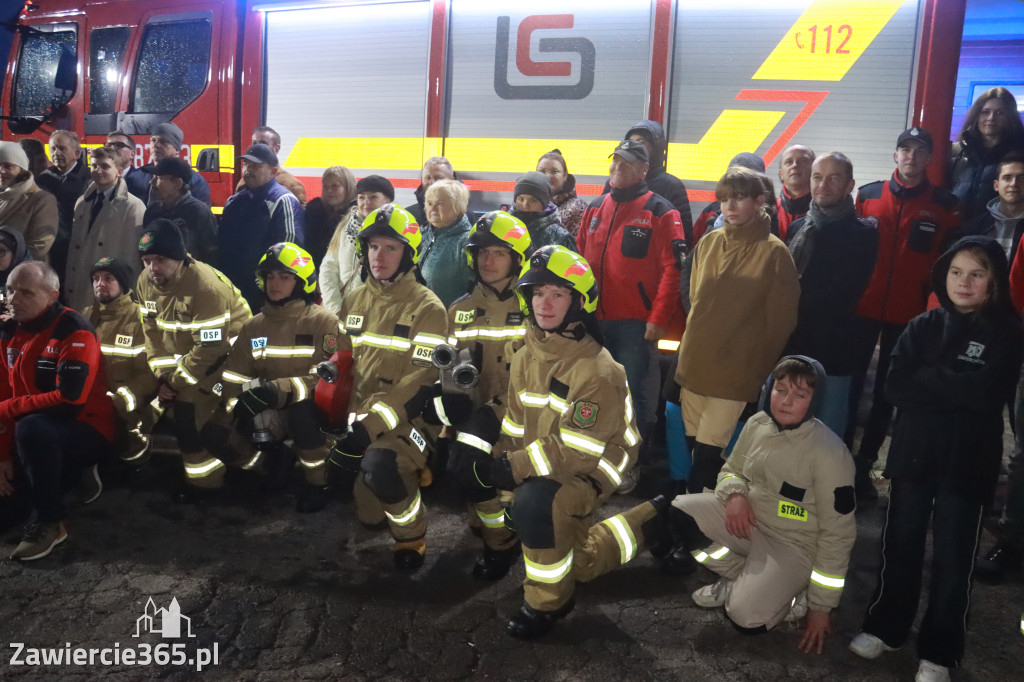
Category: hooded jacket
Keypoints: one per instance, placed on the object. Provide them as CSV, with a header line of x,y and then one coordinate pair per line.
x,y
20,253
950,375
660,181
992,223
27,208
799,482
545,229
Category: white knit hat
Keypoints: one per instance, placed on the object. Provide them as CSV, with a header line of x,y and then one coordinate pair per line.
x,y
11,152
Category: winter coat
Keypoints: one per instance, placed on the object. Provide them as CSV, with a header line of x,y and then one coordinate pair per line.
x,y
972,170
66,188
950,376
197,184
570,207
196,221
443,260
321,221
31,211
340,270
114,233
544,229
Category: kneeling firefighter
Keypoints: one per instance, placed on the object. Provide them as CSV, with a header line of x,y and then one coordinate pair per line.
x,y
392,324
269,378
567,438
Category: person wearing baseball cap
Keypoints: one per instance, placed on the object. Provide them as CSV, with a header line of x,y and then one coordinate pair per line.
x,y
166,142
256,217
172,199
915,221
184,360
635,242
132,386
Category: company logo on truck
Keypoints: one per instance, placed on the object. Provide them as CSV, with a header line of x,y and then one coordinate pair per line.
x,y
527,67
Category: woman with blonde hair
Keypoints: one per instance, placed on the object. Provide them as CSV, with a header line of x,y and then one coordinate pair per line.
x,y
443,264
323,214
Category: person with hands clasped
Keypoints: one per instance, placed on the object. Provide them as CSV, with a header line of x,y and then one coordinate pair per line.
x,y
392,324
779,527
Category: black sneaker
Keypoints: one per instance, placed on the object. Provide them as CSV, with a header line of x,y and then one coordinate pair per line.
x,y
992,567
529,623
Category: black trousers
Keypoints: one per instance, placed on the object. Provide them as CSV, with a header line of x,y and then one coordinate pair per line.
x,y
867,334
956,526
52,451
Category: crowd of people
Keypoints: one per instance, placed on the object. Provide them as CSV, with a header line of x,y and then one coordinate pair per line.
x,y
127,304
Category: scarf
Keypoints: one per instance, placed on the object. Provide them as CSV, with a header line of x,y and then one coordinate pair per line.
x,y
817,218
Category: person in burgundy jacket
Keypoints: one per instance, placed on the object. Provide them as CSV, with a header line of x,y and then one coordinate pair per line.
x,y
915,220
54,408
634,240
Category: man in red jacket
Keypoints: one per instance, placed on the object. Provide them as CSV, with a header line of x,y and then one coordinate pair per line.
x,y
634,240
914,222
54,408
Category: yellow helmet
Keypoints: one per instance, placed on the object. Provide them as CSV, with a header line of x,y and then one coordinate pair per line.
x,y
288,257
393,222
554,264
498,228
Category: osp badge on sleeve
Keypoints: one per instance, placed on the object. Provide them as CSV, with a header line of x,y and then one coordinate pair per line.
x,y
584,414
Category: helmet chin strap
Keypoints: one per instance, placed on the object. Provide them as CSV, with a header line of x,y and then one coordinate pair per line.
x,y
574,314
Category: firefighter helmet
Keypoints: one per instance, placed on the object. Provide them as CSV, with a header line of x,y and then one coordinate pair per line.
x,y
554,264
288,257
393,222
498,228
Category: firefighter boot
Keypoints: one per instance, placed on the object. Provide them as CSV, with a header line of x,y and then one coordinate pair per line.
x,y
409,554
530,623
494,564
313,498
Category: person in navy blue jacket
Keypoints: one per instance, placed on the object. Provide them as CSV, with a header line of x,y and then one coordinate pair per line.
x,y
259,215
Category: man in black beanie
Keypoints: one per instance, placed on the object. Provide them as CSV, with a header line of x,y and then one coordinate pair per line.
x,y
190,312
115,315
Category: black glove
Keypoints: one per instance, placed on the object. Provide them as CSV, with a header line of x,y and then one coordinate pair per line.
x,y
347,453
258,399
482,476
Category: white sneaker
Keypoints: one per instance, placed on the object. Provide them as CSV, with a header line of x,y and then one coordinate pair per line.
x,y
797,608
931,672
868,646
714,595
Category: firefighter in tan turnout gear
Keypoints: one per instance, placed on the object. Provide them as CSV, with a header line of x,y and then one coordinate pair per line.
x,y
269,378
190,312
488,325
567,438
392,324
115,315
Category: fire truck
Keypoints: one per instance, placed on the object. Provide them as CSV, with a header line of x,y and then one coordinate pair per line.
x,y
381,86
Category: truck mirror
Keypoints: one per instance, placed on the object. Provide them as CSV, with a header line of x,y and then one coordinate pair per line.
x,y
209,160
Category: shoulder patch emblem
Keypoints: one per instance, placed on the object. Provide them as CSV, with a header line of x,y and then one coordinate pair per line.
x,y
330,343
584,414
594,222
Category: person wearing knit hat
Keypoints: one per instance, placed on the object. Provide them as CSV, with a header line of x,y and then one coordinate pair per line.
x,y
164,135
533,206
171,198
174,288
162,238
24,207
376,183
114,315
748,160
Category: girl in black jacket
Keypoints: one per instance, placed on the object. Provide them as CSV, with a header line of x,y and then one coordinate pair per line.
x,y
951,373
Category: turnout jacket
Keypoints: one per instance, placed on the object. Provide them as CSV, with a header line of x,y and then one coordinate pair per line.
x,y
634,240
950,375
744,294
283,344
52,364
391,332
568,413
914,225
189,324
799,483
122,340
492,327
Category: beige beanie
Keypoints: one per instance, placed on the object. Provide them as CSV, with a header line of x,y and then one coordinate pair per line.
x,y
11,152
